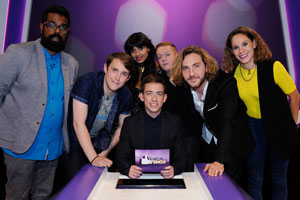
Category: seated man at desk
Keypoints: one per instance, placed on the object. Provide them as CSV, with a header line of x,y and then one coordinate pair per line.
x,y
151,129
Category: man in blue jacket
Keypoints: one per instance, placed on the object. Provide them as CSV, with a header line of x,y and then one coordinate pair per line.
x,y
100,104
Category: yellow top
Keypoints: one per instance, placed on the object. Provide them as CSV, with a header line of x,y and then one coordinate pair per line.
x,y
248,87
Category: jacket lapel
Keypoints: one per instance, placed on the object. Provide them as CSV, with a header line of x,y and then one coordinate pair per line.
x,y
188,98
208,96
187,95
66,76
163,130
42,65
140,131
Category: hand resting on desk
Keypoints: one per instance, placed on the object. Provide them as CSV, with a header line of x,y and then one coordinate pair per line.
x,y
214,169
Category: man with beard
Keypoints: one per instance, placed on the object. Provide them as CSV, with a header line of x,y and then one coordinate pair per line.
x,y
212,97
35,81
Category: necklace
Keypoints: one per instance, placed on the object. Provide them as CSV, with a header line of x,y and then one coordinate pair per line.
x,y
142,69
248,73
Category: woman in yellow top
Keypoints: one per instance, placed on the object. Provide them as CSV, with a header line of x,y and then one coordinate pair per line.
x,y
264,86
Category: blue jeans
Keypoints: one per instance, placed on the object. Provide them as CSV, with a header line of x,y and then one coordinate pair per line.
x,y
255,164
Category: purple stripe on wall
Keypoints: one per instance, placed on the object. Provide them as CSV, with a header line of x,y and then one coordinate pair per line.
x,y
15,21
293,8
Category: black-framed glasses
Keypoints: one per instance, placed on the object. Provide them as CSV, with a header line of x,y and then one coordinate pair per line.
x,y
52,26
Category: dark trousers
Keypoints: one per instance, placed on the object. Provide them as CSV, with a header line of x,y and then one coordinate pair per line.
x,y
72,162
3,178
256,162
234,167
192,153
29,177
293,174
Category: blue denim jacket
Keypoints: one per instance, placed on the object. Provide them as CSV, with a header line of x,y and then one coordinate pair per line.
x,y
88,89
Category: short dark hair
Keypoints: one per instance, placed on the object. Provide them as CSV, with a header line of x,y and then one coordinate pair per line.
x,y
125,59
153,78
58,10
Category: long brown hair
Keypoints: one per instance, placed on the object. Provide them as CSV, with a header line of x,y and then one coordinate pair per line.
x,y
261,52
211,64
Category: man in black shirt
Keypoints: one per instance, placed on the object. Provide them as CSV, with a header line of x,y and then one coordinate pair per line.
x,y
152,129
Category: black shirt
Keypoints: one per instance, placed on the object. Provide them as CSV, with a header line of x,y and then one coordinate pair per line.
x,y
152,128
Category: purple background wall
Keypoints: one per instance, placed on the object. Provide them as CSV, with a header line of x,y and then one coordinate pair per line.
x,y
204,23
14,22
93,24
293,8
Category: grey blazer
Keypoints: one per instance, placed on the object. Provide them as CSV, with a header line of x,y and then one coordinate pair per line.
x,y
23,94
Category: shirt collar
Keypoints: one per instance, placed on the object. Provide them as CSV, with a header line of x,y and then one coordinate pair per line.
x,y
204,92
49,56
149,118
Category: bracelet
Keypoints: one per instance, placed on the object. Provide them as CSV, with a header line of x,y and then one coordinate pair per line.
x,y
94,159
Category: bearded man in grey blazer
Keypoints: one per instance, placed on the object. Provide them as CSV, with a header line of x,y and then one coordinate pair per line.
x,y
35,83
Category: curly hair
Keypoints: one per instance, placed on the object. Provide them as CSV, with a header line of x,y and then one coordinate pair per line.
x,y
261,52
212,67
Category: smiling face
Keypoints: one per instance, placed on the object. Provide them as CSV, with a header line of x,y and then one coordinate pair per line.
x,y
193,70
243,50
166,56
116,76
140,54
153,98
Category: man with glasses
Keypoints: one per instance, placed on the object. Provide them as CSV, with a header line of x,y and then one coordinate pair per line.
x,y
35,83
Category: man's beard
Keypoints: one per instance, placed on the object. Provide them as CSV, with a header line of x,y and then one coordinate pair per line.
x,y
55,46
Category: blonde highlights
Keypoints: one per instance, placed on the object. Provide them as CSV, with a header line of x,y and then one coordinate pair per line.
x,y
161,44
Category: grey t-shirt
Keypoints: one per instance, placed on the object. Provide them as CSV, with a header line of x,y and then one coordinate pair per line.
x,y
102,115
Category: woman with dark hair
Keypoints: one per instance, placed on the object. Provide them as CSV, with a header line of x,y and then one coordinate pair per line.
x,y
264,86
141,49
